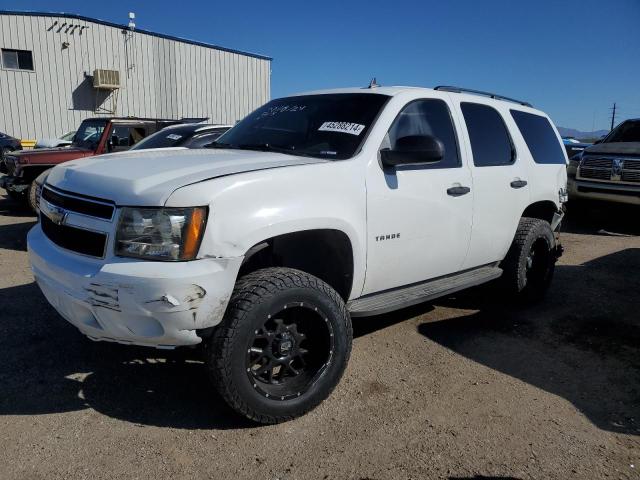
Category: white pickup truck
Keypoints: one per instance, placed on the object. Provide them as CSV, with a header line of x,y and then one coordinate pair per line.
x,y
314,209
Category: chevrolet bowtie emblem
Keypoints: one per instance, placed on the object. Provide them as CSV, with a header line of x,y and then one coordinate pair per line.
x,y
56,214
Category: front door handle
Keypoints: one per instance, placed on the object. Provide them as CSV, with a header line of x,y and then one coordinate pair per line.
x,y
518,183
458,191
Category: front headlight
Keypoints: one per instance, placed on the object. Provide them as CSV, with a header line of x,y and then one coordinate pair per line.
x,y
168,234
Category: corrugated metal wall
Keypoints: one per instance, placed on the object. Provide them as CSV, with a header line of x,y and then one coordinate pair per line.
x,y
159,77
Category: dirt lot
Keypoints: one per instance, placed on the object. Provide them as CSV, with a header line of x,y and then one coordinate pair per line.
x,y
463,388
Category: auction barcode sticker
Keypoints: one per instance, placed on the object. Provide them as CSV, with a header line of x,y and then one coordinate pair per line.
x,y
342,127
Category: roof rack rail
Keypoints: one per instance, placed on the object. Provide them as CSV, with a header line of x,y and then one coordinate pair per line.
x,y
447,88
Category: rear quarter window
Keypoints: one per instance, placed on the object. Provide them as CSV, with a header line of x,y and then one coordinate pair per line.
x,y
540,137
491,144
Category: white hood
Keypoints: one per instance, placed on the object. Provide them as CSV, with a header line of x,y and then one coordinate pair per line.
x,y
149,177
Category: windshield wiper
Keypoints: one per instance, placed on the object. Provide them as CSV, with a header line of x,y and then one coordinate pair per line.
x,y
262,147
219,145
266,147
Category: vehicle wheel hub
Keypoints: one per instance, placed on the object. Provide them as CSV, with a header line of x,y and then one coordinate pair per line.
x,y
290,351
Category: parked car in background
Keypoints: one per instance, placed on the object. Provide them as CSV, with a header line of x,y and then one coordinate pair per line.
x,y
609,169
7,144
257,248
192,135
573,146
189,135
94,137
64,141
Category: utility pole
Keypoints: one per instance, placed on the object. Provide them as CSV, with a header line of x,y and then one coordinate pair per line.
x,y
613,115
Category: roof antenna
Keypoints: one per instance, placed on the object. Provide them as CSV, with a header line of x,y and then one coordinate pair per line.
x,y
373,83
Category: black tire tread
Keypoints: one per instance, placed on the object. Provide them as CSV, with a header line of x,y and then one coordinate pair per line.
x,y
513,274
247,291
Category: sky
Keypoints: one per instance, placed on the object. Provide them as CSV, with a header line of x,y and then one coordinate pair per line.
x,y
570,58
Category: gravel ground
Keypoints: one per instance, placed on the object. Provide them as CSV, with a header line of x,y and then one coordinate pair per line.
x,y
465,387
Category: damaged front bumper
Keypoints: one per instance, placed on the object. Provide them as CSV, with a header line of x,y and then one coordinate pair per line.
x,y
159,304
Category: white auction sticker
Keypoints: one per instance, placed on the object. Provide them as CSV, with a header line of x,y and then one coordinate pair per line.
x,y
173,136
342,127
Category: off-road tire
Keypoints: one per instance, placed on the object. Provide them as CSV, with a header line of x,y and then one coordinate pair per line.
x,y
530,282
255,297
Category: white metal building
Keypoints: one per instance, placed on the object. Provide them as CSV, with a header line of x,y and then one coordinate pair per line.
x,y
50,77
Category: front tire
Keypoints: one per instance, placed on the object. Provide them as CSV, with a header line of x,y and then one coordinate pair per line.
x,y
530,262
282,346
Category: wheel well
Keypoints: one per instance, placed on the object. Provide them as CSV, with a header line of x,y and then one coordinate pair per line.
x,y
326,254
543,210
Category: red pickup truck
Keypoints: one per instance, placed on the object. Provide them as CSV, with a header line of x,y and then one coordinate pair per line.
x,y
94,137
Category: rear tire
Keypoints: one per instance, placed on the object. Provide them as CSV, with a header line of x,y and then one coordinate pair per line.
x,y
282,346
530,262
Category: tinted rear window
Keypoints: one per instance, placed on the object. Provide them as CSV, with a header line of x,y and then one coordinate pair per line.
x,y
540,137
628,131
490,141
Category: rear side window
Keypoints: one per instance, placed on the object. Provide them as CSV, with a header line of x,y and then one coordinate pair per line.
x,y
540,137
490,141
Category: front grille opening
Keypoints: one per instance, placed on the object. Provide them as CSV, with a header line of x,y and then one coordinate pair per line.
x,y
74,239
78,205
631,176
597,162
597,173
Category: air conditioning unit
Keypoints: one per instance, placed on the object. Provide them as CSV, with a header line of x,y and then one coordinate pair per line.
x,y
106,79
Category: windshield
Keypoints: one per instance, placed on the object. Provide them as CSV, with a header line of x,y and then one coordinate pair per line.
x,y
172,137
628,131
89,133
326,126
68,136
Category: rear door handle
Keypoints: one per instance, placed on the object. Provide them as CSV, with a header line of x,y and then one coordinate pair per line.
x,y
458,191
518,183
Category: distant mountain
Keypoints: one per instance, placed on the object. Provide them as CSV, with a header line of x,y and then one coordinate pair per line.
x,y
571,132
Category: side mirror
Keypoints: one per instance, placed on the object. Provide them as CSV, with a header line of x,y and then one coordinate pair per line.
x,y
413,150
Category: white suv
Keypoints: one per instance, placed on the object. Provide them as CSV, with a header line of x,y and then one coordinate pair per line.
x,y
314,209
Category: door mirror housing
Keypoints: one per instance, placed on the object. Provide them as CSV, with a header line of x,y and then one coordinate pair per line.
x,y
413,150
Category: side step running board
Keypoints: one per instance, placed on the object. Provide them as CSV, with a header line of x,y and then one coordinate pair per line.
x,y
389,300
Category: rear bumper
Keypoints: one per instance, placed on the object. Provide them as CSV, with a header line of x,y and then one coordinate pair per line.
x,y
159,304
609,192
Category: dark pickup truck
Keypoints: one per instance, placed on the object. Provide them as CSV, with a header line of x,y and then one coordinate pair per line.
x,y
609,170
94,137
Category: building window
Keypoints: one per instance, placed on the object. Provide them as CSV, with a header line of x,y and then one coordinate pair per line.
x,y
17,59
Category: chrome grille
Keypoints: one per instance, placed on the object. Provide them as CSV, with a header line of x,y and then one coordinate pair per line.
x,y
632,164
80,204
79,240
613,169
631,176
597,163
597,173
